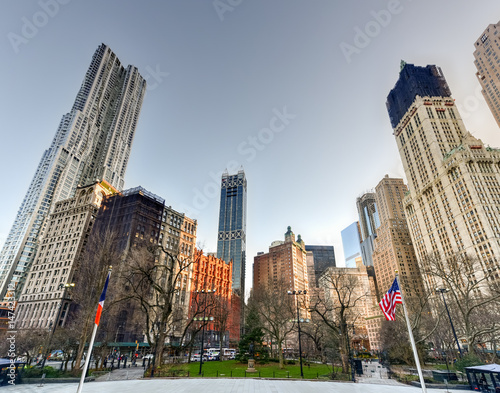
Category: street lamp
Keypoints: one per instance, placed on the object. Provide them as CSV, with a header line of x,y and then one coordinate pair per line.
x,y
204,321
54,324
297,293
443,291
349,350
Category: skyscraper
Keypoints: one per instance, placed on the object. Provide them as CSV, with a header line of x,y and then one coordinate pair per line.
x,y
92,142
68,229
487,62
368,222
393,246
453,201
283,267
351,243
368,215
231,240
323,258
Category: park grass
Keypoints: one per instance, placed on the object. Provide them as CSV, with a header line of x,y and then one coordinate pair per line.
x,y
235,369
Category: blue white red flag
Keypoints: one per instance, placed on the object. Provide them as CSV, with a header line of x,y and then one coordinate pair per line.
x,y
389,301
101,300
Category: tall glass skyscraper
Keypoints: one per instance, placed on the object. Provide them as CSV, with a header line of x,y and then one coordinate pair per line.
x,y
92,142
351,242
231,240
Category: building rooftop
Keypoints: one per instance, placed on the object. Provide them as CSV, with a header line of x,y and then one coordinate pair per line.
x,y
413,80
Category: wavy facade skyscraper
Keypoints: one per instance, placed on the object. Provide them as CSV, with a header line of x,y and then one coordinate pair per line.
x,y
93,142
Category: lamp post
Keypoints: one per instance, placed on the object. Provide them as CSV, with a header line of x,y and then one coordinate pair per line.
x,y
443,291
204,321
297,293
54,324
349,350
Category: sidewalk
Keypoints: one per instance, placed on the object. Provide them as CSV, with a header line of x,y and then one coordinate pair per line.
x,y
239,385
120,374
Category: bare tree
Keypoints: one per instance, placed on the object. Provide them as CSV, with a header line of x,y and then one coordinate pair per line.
x,y
473,296
67,341
100,252
154,279
317,333
221,312
29,343
276,310
340,307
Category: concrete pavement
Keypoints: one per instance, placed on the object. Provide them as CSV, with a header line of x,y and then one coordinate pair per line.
x,y
122,374
220,385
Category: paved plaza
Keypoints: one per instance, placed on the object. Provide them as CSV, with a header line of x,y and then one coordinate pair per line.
x,y
374,380
221,386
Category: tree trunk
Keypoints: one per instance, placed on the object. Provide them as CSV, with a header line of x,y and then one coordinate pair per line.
x,y
344,353
280,355
160,346
81,345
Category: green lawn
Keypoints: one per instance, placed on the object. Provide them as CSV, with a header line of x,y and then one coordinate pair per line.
x,y
233,368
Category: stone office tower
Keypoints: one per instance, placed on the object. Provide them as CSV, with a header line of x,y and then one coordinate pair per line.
x,y
231,240
487,62
92,142
453,199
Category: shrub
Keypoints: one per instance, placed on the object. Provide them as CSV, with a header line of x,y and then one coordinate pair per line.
x,y
468,360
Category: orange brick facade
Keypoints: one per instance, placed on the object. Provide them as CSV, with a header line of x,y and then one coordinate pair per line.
x,y
209,273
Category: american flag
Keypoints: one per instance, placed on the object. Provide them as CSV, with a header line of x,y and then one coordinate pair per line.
x,y
101,300
389,301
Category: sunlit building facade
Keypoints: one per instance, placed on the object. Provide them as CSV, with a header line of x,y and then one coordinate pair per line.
x,y
92,143
453,199
487,62
46,296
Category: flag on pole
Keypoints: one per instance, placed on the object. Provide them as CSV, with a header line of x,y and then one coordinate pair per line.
x,y
389,301
101,301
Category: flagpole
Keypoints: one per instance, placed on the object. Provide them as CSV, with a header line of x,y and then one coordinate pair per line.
x,y
87,360
412,340
91,344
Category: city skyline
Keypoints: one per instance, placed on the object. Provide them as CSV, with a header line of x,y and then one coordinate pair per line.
x,y
313,77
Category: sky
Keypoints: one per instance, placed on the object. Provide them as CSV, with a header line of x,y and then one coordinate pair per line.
x,y
293,91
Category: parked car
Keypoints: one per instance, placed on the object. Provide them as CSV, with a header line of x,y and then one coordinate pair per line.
x,y
195,357
56,355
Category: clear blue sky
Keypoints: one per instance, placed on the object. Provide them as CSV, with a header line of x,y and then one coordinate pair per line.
x,y
218,72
